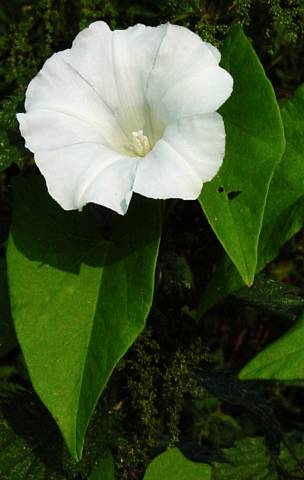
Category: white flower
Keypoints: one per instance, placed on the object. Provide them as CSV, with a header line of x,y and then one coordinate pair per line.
x,y
127,111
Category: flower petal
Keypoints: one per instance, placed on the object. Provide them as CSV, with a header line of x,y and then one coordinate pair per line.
x,y
79,174
186,79
189,154
214,51
203,92
60,88
49,130
117,65
87,101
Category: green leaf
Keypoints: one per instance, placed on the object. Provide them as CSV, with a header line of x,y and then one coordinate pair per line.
x,y
8,339
172,465
234,201
282,359
30,445
78,301
104,470
224,281
276,297
247,460
284,212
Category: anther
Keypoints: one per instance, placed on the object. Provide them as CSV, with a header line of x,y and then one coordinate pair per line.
x,y
140,143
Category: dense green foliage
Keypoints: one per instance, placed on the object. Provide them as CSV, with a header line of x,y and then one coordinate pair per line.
x,y
32,30
157,398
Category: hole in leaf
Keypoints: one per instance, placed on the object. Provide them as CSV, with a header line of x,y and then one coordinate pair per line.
x,y
232,195
221,190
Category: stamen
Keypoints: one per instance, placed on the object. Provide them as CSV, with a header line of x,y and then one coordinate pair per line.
x,y
140,143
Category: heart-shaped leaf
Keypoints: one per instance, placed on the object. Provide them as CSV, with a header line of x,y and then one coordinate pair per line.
x,y
104,470
8,339
284,212
282,359
172,465
78,301
234,201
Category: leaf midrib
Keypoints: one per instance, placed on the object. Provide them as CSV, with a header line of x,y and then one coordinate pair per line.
x,y
81,378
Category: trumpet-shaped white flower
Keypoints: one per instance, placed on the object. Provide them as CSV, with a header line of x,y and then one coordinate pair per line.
x,y
127,111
